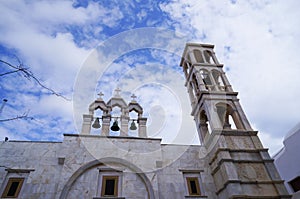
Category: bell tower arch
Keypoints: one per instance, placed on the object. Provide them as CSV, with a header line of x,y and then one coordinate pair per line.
x,y
240,166
123,118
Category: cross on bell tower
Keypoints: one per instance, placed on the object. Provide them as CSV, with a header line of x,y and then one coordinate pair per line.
x,y
133,96
238,162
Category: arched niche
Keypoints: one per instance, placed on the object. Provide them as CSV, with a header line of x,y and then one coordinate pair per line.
x,y
198,56
116,113
119,102
209,57
206,78
97,110
228,116
133,128
134,106
217,75
204,125
103,161
98,104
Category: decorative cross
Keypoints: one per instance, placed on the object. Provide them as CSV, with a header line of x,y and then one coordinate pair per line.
x,y
133,96
118,90
100,94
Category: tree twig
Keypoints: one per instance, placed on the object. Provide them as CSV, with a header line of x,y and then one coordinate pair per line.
x,y
25,72
24,116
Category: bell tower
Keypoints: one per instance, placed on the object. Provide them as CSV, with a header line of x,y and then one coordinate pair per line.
x,y
102,123
215,105
240,166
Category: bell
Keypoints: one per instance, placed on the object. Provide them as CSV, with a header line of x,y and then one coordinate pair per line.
x,y
96,123
133,126
115,126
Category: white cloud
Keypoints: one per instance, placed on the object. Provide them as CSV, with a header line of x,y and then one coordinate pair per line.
x,y
142,14
263,37
37,31
53,105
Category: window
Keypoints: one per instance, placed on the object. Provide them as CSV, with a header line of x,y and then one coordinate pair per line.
x,y
193,183
13,188
193,186
109,186
109,182
295,184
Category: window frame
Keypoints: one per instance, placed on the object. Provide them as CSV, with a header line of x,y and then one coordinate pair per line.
x,y
190,191
107,172
193,174
103,188
7,188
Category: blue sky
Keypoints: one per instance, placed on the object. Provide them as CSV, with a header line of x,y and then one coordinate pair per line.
x,y
256,40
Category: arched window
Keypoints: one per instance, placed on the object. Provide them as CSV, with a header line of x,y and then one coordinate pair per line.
x,y
132,126
116,115
198,56
97,120
206,79
218,79
204,126
208,57
228,117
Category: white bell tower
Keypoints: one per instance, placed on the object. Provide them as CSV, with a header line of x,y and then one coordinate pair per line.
x,y
104,122
240,166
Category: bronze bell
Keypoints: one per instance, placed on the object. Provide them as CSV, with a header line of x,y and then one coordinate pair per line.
x,y
115,126
96,123
133,126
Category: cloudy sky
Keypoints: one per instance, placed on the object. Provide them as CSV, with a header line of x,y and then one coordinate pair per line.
x,y
79,48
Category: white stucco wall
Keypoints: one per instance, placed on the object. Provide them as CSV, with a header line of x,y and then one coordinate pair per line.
x,y
78,175
287,160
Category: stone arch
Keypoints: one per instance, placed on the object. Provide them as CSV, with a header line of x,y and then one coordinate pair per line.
x,y
135,107
204,125
98,104
117,102
102,161
205,75
209,57
217,75
226,112
198,56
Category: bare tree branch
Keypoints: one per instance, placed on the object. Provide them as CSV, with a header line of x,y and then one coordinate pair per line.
x,y
14,71
25,72
24,116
